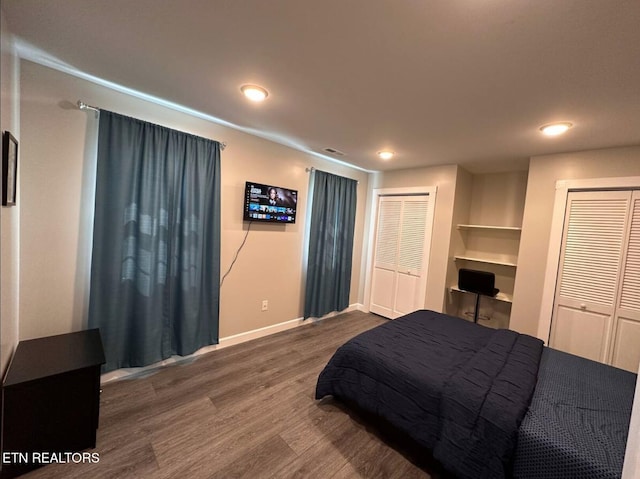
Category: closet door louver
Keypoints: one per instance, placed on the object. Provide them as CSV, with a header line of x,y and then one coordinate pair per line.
x,y
630,292
593,250
387,236
414,218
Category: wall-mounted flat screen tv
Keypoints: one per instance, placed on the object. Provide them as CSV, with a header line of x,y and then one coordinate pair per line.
x,y
269,203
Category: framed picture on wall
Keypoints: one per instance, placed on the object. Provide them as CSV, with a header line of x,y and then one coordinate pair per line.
x,y
9,169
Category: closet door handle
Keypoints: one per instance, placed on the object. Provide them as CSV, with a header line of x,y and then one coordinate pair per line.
x,y
583,306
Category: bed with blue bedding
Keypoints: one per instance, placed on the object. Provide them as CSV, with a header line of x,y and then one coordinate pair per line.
x,y
487,403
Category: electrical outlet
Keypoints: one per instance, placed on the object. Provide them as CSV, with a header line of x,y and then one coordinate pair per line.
x,y
265,304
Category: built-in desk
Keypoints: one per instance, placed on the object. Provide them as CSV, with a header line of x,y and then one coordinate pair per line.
x,y
50,399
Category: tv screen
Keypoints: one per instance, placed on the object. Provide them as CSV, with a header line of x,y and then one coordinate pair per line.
x,y
269,203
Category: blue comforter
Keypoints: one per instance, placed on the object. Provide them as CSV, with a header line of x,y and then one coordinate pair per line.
x,y
578,421
457,388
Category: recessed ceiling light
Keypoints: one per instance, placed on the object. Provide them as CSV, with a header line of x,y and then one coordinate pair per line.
x,y
554,129
386,154
254,92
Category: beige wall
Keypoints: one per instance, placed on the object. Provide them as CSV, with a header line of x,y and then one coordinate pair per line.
x,y
9,216
57,189
498,198
444,178
544,171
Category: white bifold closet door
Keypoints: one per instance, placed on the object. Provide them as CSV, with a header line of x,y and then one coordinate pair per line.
x,y
626,347
401,254
596,311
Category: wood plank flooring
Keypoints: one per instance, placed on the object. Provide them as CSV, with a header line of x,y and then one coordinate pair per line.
x,y
246,411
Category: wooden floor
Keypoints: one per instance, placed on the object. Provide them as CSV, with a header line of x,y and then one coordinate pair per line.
x,y
246,411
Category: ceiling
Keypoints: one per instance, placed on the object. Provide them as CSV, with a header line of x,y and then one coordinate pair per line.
x,y
436,81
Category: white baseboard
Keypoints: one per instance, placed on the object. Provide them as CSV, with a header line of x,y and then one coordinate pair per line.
x,y
223,343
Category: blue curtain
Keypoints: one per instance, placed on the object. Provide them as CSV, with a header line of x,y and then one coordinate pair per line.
x,y
156,242
333,217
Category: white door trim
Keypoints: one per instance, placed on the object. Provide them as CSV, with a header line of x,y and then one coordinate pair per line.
x,y
373,216
563,187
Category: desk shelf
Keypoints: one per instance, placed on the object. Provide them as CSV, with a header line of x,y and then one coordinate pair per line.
x,y
486,260
505,298
516,229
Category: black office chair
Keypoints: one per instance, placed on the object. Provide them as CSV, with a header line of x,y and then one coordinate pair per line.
x,y
478,282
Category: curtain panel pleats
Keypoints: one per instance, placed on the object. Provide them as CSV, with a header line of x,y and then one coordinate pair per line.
x,y
333,214
156,246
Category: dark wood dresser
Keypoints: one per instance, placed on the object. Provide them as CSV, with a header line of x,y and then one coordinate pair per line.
x,y
50,399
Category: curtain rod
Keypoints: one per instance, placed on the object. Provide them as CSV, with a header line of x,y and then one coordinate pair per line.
x,y
83,106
